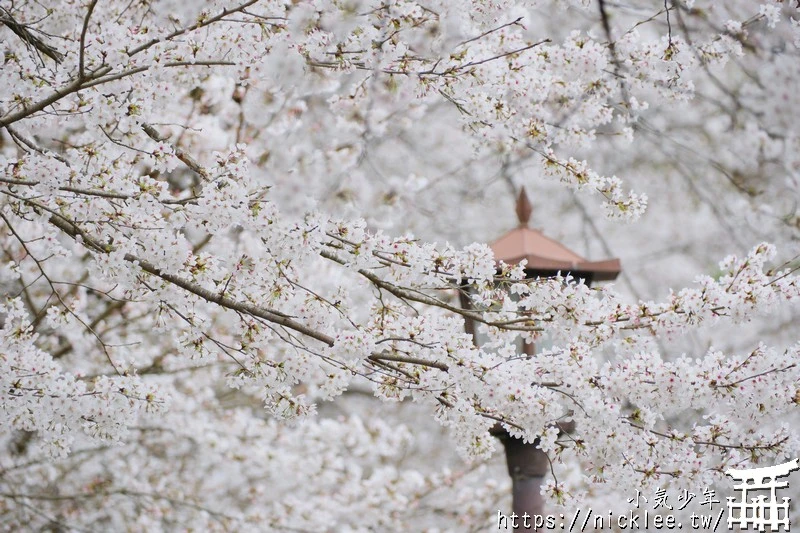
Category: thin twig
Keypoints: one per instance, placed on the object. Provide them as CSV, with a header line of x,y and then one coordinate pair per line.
x,y
82,50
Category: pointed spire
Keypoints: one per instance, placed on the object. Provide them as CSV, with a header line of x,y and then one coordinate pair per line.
x,y
545,256
524,208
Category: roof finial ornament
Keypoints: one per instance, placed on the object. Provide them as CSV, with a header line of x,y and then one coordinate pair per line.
x,y
524,208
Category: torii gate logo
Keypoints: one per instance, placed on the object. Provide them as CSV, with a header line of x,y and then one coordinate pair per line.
x,y
758,511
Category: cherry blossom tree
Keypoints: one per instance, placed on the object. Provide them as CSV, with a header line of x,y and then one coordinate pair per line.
x,y
227,229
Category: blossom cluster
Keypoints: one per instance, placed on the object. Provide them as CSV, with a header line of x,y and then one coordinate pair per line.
x,y
182,317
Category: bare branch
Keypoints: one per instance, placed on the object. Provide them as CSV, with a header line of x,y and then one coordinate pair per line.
x,y
82,50
22,31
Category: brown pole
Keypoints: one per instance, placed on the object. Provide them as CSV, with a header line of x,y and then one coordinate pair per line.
x,y
527,466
